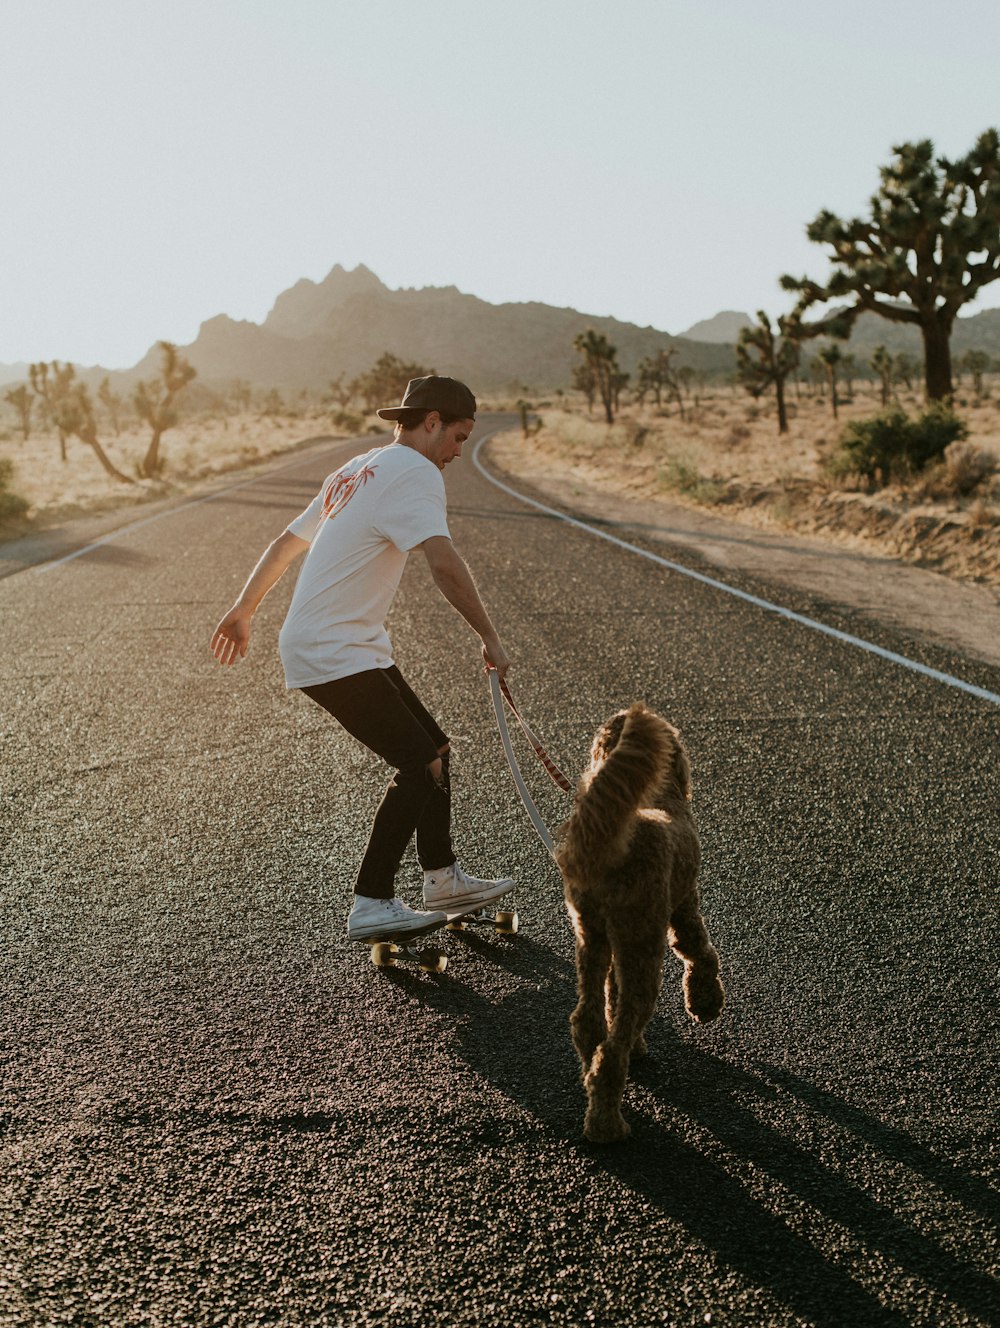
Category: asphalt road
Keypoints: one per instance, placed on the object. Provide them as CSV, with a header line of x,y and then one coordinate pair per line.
x,y
215,1111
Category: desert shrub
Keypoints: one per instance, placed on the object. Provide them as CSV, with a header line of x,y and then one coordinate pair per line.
x,y
347,420
964,469
893,445
680,476
635,433
737,434
12,505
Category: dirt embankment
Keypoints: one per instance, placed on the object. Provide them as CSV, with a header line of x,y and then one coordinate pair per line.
x,y
871,555
727,458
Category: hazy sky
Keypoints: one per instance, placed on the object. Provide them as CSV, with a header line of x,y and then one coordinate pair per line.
x,y
658,160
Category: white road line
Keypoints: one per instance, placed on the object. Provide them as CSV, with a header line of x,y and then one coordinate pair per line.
x,y
765,604
172,511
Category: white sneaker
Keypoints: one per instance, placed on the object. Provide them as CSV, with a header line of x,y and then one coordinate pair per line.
x,y
452,889
388,917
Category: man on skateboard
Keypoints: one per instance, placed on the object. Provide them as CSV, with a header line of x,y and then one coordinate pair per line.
x,y
356,535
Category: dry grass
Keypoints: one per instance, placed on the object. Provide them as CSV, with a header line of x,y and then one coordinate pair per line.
x,y
195,451
727,454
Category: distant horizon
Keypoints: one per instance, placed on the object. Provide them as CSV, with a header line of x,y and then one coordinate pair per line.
x,y
968,312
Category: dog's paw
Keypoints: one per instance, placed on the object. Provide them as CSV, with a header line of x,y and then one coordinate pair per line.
x,y
639,1048
704,996
605,1127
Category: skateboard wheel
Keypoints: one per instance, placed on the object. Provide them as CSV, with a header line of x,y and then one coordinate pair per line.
x,y
507,922
457,925
434,961
384,954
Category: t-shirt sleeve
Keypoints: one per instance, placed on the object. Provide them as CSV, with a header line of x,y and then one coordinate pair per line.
x,y
308,522
413,509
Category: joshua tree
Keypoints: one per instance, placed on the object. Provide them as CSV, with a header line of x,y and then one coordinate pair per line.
x,y
619,381
764,360
881,362
154,402
849,368
905,369
112,403
342,393
602,359
831,357
656,375
22,400
585,382
931,244
51,383
76,416
977,362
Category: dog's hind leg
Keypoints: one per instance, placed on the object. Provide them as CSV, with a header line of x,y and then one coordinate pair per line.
x,y
593,961
637,980
704,994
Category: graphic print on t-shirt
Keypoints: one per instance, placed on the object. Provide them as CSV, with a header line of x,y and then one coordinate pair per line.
x,y
342,489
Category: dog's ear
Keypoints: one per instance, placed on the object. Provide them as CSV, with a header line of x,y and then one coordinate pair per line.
x,y
606,739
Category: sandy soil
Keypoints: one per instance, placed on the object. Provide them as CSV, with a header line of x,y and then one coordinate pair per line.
x,y
727,456
193,453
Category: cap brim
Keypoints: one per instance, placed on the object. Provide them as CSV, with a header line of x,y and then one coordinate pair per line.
x,y
390,412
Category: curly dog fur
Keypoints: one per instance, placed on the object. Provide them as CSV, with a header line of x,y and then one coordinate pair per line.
x,y
629,856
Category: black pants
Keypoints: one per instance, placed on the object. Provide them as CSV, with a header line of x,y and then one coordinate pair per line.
x,y
379,709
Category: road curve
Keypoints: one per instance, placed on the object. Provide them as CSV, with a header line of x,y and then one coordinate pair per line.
x,y
216,1111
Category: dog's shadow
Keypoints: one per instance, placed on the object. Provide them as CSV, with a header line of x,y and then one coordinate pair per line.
x,y
701,1142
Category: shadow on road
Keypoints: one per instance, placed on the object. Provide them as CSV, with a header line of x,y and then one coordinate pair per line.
x,y
734,1165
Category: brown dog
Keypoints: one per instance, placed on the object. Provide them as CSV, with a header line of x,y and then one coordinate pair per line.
x,y
629,857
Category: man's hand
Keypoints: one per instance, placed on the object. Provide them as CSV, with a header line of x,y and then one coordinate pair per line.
x,y
495,657
232,636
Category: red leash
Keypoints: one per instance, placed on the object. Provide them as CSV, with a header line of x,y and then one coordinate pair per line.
x,y
551,769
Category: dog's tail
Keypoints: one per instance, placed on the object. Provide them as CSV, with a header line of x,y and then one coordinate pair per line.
x,y
603,821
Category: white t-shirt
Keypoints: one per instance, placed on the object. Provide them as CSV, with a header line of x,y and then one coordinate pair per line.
x,y
361,526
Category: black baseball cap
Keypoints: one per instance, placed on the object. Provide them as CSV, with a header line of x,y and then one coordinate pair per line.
x,y
446,395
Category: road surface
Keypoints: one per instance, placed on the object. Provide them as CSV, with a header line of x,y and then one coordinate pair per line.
x,y
216,1111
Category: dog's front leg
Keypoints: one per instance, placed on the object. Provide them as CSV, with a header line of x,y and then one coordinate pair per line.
x,y
704,994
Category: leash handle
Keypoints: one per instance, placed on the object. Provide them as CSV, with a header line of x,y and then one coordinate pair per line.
x,y
551,769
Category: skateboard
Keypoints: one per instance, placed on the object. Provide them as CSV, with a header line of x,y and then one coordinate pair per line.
x,y
393,948
504,920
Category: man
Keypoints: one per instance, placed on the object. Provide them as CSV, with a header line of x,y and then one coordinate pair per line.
x,y
356,535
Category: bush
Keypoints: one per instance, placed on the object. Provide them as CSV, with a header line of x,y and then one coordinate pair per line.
x,y
965,468
12,505
892,445
680,476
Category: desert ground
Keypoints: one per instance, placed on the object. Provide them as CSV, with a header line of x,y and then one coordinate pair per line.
x,y
198,449
722,453
725,454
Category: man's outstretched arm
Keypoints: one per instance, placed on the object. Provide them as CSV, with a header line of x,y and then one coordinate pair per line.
x,y
232,636
454,580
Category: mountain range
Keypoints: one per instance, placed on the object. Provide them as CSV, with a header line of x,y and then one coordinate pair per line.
x,y
317,331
